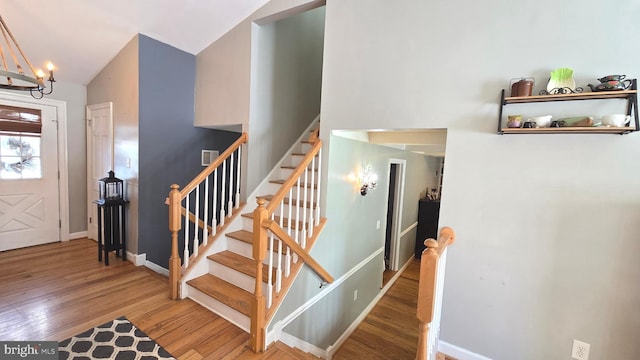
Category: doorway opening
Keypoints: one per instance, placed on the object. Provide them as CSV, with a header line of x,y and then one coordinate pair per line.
x,y
395,195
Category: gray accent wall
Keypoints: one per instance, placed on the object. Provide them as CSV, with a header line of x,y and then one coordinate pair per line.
x,y
285,87
350,236
151,85
170,146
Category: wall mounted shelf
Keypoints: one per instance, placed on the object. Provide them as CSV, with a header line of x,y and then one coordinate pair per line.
x,y
630,95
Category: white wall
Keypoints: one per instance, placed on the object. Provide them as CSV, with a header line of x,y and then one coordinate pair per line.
x,y
546,224
224,68
76,98
285,91
118,82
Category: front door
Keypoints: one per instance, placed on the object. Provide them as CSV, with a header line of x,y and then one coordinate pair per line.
x,y
29,198
99,156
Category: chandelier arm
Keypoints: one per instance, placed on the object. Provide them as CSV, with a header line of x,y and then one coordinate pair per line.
x,y
5,28
4,63
11,52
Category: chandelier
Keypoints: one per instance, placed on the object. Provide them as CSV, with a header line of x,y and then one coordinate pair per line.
x,y
15,78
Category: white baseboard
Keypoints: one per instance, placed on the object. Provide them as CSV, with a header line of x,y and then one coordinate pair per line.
x,y
137,259
458,352
78,235
294,342
155,267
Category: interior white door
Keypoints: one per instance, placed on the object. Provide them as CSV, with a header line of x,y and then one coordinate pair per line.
x,y
99,156
29,197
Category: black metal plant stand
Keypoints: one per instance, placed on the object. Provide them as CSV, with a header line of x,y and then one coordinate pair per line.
x,y
112,230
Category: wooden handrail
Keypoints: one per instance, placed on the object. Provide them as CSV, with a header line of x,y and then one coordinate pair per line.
x,y
297,249
209,169
291,180
427,286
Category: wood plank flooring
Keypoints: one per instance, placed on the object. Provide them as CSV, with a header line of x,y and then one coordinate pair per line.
x,y
390,331
54,291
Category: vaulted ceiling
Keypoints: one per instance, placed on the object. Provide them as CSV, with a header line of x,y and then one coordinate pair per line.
x,y
81,36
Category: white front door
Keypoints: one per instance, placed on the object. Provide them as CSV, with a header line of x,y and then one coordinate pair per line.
x,y
29,198
99,156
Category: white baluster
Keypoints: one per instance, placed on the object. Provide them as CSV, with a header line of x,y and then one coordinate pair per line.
x,y
214,220
230,205
205,229
318,190
238,177
186,233
223,191
287,257
311,197
279,270
303,240
196,241
270,276
297,222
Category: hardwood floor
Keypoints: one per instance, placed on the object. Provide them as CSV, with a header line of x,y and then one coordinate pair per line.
x,y
54,291
390,331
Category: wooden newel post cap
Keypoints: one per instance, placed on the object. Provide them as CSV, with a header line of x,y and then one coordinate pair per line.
x,y
261,201
430,243
175,186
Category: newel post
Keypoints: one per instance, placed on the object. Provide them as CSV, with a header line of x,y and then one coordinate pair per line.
x,y
174,228
258,307
426,290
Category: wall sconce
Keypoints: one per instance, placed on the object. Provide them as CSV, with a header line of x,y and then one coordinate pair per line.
x,y
368,179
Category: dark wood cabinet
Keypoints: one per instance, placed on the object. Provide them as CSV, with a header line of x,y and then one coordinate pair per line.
x,y
428,213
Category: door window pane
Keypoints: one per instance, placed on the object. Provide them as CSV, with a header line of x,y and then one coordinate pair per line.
x,y
20,156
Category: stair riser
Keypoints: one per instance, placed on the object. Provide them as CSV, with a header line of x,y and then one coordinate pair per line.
x,y
244,249
233,316
294,160
247,224
236,278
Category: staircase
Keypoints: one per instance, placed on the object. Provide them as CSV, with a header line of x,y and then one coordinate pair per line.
x,y
252,252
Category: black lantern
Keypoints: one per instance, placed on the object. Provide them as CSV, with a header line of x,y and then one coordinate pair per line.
x,y
110,188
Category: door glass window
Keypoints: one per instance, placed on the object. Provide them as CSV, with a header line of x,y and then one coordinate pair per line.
x,y
20,131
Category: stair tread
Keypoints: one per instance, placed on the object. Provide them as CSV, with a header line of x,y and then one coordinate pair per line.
x,y
225,292
285,220
242,235
288,201
281,181
300,154
290,167
246,237
240,263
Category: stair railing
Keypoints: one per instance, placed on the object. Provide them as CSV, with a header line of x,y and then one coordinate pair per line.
x,y
429,294
286,244
204,205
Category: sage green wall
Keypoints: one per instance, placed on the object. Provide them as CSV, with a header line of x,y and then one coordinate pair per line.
x,y
286,84
547,225
350,237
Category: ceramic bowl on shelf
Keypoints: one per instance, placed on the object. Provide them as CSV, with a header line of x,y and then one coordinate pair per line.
x,y
541,121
